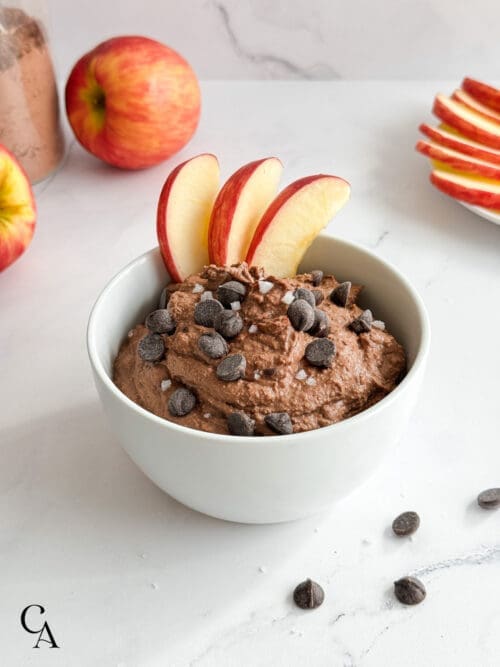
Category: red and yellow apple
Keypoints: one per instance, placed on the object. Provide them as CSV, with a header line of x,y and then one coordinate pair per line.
x,y
293,220
183,214
239,207
487,95
468,122
470,102
457,142
458,161
470,189
17,209
132,102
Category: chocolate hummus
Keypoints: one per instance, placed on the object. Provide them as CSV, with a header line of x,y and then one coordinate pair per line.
x,y
285,355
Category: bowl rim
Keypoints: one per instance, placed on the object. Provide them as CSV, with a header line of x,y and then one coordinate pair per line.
x,y
266,440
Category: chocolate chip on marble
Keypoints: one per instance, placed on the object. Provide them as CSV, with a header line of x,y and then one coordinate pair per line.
x,y
406,524
239,423
317,277
363,323
318,296
213,345
308,595
279,422
340,295
409,590
206,311
228,323
321,326
301,315
181,402
320,352
161,321
269,372
151,347
229,292
489,499
306,294
232,368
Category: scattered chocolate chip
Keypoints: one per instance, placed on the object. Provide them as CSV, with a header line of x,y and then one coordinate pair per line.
x,y
279,422
409,590
151,347
228,323
406,524
317,277
489,499
301,315
318,296
308,595
213,345
306,294
321,326
181,402
229,292
232,368
239,423
340,295
363,323
164,298
320,352
160,321
206,311
269,372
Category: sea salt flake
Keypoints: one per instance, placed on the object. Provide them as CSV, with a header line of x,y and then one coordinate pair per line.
x,y
256,375
207,294
301,374
166,384
207,415
265,286
311,381
253,328
130,333
378,324
288,298
235,305
197,289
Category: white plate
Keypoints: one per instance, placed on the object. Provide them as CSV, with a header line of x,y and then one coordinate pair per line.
x,y
483,212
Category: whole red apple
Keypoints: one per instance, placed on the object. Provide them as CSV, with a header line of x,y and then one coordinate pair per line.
x,y
17,209
132,102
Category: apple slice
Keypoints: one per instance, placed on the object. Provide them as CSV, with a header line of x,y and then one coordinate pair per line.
x,y
293,220
183,214
239,207
463,97
458,161
467,121
482,93
459,143
17,209
467,188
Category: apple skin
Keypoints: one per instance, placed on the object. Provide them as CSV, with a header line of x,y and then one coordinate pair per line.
x,y
16,228
457,161
459,143
452,113
467,190
464,98
487,95
132,102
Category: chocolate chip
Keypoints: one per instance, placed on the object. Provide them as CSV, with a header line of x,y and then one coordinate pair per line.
x,y
213,345
269,372
340,295
320,352
489,499
318,296
279,422
301,315
161,321
229,292
164,298
321,326
306,294
206,311
406,524
317,277
181,402
363,323
239,423
409,590
232,368
228,323
308,595
151,347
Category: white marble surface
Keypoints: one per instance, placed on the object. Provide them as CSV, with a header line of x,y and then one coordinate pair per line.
x,y
131,578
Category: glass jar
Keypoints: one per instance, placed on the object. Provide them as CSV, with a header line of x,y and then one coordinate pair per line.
x,y
29,106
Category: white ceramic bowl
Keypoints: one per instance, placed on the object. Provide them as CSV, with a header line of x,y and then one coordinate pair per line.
x,y
262,479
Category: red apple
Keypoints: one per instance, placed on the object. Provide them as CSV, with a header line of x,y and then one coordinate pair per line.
x,y
482,93
239,207
464,98
458,161
17,209
293,220
467,188
183,214
457,142
132,102
467,122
